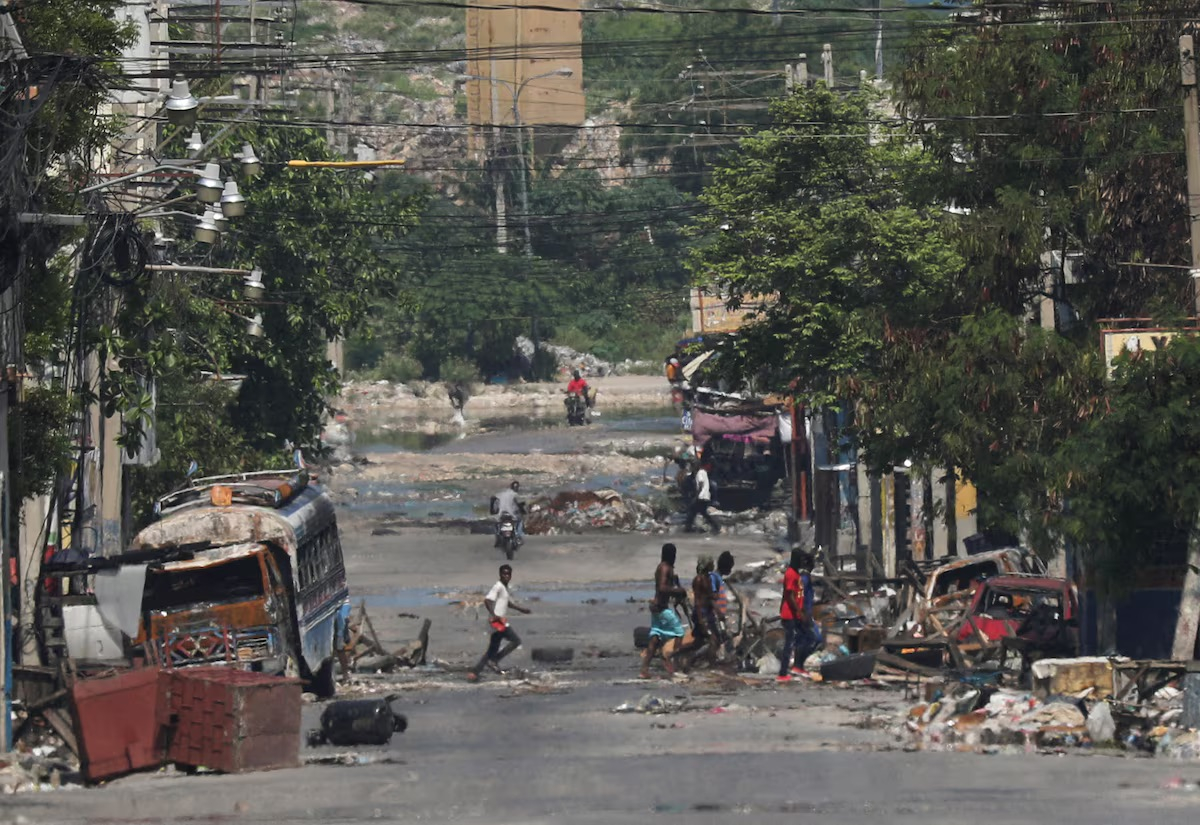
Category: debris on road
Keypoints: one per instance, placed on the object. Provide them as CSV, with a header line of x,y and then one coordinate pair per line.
x,y
588,509
651,704
364,653
358,722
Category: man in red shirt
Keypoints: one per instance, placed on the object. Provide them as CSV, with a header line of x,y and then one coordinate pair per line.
x,y
791,614
577,384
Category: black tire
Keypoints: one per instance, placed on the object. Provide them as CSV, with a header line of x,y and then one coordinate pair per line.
x,y
641,637
323,685
510,548
552,655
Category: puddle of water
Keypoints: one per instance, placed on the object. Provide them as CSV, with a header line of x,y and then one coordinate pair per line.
x,y
606,593
374,440
388,441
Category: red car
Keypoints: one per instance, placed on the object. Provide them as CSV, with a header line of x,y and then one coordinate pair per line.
x,y
1039,609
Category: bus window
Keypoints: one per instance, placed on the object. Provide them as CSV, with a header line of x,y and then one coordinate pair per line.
x,y
233,581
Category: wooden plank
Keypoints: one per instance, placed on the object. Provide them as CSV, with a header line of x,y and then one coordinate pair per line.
x,y
62,726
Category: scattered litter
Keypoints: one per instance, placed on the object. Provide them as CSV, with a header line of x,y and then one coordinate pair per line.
x,y
651,704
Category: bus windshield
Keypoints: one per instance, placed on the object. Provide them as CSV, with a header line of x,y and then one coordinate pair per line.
x,y
231,581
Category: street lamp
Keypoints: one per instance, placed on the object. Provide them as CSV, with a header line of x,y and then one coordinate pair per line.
x,y
209,187
207,231
515,90
251,165
181,105
233,203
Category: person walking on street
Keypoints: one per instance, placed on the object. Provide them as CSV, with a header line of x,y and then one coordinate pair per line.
x,y
702,501
790,613
720,592
704,620
809,634
498,601
665,628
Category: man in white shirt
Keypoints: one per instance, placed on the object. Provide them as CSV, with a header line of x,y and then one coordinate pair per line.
x,y
498,601
702,501
508,502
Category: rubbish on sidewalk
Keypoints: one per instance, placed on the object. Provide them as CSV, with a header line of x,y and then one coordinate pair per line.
x,y
358,722
1069,676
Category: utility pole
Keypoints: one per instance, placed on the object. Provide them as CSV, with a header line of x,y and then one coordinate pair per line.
x,y
1189,598
827,61
497,169
879,40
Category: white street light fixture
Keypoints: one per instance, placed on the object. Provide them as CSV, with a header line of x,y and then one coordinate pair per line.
x,y
195,143
206,230
221,221
209,188
254,327
233,203
253,287
181,105
251,165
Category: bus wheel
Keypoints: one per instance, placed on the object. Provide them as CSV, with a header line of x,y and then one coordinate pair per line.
x,y
323,684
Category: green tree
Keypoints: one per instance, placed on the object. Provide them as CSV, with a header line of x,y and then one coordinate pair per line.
x,y
813,217
1057,132
51,130
1130,476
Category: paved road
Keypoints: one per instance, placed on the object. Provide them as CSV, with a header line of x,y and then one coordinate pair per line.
x,y
549,748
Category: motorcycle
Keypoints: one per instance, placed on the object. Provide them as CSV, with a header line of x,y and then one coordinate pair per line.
x,y
506,535
576,409
579,407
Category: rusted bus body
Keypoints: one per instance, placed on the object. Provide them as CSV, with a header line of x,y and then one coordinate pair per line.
x,y
265,587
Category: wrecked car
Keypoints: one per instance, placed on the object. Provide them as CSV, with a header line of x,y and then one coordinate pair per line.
x,y
1007,606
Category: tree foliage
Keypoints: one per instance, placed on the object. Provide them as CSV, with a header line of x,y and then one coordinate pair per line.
x,y
813,221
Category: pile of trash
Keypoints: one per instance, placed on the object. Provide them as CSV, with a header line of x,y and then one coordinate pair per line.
x,y
571,511
569,359
975,715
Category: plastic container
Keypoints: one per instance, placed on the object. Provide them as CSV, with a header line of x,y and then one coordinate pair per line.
x,y
359,722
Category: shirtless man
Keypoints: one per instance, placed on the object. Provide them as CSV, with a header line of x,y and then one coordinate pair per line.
x,y
704,621
665,626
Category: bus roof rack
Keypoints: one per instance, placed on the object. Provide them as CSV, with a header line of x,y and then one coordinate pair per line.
x,y
264,488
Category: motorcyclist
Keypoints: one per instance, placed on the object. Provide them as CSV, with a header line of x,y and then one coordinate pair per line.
x,y
577,385
509,502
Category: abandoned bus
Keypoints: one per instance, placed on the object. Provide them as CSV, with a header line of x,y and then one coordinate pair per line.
x,y
248,571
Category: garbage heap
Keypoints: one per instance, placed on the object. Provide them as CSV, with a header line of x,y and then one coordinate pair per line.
x,y
972,713
572,511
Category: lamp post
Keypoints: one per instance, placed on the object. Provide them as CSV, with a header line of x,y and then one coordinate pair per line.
x,y
515,89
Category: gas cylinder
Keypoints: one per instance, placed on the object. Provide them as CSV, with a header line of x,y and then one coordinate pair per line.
x,y
359,722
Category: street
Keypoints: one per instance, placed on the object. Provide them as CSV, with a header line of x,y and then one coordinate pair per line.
x,y
545,745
